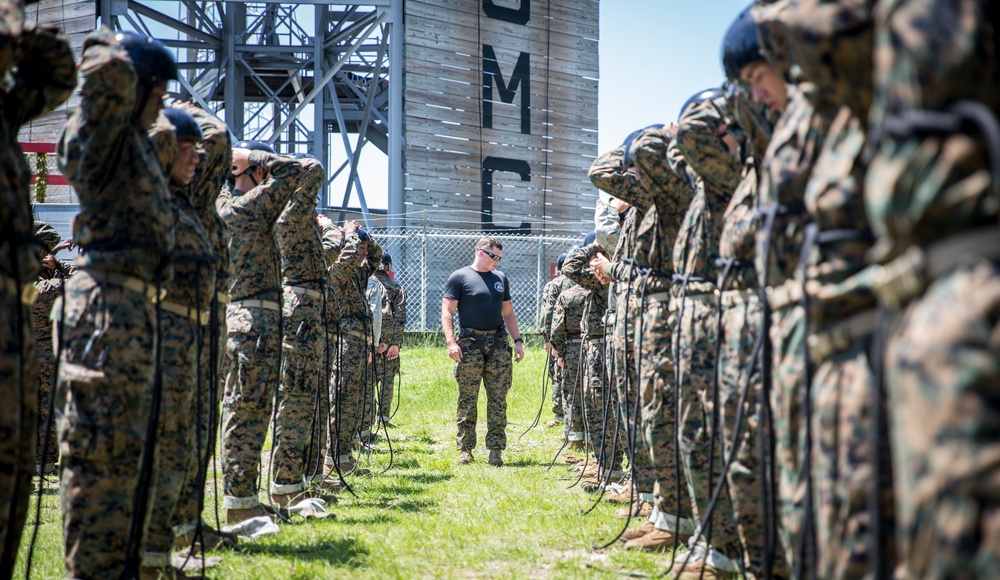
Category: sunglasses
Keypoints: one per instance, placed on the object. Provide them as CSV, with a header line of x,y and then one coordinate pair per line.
x,y
495,257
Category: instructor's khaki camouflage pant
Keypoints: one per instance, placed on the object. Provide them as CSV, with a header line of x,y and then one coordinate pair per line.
x,y
493,369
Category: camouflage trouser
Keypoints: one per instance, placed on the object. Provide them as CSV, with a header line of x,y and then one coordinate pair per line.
x,y
176,457
46,426
788,370
383,381
603,422
557,393
188,510
490,365
296,436
252,361
106,370
695,342
570,376
347,388
943,386
741,321
386,371
842,473
17,422
659,409
623,368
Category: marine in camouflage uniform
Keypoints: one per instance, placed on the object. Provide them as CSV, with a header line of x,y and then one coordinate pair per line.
x,y
831,43
303,383
183,314
108,328
599,411
350,323
784,172
932,201
550,292
48,287
393,323
214,167
567,344
43,78
253,352
651,149
713,172
609,174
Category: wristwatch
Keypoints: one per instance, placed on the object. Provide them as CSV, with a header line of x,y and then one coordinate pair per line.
x,y
518,339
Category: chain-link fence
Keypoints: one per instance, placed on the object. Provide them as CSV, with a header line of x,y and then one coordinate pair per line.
x,y
423,259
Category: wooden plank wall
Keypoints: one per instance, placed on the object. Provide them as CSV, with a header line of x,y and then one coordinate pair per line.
x,y
539,156
76,18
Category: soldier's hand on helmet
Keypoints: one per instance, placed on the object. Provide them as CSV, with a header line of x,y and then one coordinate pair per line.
x,y
382,347
351,226
241,160
454,352
618,205
393,353
518,352
600,265
561,362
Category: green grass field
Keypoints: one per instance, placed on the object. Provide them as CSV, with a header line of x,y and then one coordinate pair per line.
x,y
429,517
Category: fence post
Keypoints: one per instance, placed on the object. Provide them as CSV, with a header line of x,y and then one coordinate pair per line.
x,y
539,284
423,278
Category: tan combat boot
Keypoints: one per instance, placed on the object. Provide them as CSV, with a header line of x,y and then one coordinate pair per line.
x,y
465,457
235,516
637,532
210,539
656,540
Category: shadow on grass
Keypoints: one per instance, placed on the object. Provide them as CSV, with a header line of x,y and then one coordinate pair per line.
x,y
379,517
337,551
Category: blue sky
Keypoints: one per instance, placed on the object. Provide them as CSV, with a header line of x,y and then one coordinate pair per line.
x,y
654,55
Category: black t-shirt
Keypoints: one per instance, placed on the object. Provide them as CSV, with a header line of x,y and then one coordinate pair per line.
x,y
480,297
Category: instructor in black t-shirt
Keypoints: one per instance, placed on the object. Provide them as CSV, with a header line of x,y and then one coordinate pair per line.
x,y
481,294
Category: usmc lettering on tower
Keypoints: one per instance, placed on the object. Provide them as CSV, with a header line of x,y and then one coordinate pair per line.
x,y
500,113
518,80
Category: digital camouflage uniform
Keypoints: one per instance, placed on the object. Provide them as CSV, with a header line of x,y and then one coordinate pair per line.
x,y
214,167
714,174
183,313
351,344
393,325
303,382
600,412
785,170
739,327
109,327
550,292
656,235
565,335
608,174
44,77
932,203
253,351
831,42
48,286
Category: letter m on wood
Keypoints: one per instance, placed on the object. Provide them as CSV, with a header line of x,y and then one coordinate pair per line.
x,y
519,79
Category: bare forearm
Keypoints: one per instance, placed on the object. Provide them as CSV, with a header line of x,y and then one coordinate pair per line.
x,y
448,326
510,321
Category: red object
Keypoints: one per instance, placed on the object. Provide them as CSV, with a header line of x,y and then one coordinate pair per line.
x,y
392,275
38,147
51,179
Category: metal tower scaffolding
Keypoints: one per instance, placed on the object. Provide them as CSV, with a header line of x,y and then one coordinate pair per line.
x,y
291,74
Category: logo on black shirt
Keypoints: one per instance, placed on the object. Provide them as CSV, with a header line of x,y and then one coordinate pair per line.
x,y
499,287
